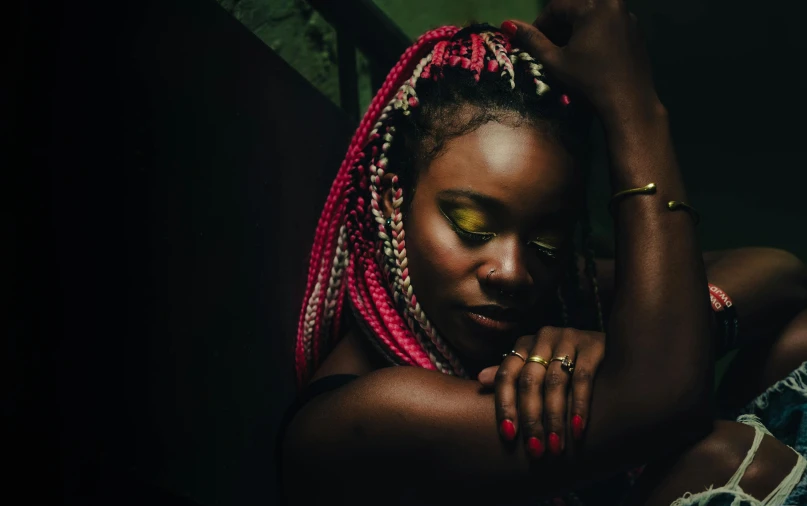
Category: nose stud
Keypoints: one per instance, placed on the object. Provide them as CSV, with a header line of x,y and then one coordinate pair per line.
x,y
490,274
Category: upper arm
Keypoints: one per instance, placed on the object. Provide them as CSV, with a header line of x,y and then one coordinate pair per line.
x,y
406,425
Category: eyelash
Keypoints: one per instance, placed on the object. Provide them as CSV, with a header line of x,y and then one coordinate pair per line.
x,y
481,238
552,254
471,236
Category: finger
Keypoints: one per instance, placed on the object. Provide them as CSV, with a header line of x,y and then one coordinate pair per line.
x,y
487,376
585,368
505,389
556,388
533,41
530,393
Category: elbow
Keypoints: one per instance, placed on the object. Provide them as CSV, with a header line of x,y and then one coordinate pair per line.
x,y
694,412
683,416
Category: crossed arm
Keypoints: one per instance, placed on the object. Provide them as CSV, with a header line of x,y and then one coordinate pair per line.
x,y
404,424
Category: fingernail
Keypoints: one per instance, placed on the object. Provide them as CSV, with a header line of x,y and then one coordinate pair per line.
x,y
509,28
535,447
508,430
554,443
577,426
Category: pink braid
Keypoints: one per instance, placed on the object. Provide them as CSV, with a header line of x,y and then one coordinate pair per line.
x,y
358,254
322,252
477,55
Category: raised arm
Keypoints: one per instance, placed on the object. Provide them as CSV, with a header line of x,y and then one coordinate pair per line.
x,y
658,367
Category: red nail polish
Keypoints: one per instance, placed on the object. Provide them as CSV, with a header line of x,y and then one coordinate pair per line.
x,y
508,430
535,447
577,426
509,28
554,443
564,99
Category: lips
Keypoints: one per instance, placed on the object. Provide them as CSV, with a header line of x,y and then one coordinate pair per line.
x,y
495,318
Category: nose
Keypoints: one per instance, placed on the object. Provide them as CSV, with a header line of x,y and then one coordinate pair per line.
x,y
506,272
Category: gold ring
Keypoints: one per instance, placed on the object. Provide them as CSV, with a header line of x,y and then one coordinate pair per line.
x,y
538,359
514,353
565,363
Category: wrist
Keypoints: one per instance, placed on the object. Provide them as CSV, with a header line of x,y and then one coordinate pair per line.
x,y
640,148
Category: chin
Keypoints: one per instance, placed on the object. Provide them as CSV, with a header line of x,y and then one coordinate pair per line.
x,y
483,347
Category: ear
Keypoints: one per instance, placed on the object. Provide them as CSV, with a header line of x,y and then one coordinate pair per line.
x,y
387,196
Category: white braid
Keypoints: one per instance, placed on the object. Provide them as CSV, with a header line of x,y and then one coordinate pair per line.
x,y
311,317
536,69
394,262
501,57
340,261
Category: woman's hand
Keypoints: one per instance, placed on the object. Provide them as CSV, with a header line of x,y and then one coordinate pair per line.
x,y
534,399
594,46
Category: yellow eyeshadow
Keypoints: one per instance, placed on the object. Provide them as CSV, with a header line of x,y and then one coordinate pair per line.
x,y
469,220
543,244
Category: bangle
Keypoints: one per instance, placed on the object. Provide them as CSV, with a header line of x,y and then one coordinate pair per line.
x,y
650,189
643,190
676,204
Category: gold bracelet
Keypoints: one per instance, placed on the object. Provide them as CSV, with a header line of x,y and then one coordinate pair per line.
x,y
644,190
650,189
676,204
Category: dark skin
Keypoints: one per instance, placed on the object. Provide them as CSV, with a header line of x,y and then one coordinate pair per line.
x,y
405,430
500,198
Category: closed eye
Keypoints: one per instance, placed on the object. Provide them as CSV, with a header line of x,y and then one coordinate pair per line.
x,y
471,236
545,248
462,219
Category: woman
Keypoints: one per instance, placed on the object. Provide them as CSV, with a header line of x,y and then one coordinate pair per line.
x,y
447,241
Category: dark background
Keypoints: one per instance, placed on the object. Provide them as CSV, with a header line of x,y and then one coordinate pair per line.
x,y
163,171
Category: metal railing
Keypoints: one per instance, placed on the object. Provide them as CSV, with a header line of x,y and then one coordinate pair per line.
x,y
361,25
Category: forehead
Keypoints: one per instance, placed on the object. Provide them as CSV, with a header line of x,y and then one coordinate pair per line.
x,y
516,164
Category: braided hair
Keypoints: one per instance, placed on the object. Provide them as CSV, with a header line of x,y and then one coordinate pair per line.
x,y
359,256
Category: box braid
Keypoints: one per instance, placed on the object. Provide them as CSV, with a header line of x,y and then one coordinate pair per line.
x,y
358,255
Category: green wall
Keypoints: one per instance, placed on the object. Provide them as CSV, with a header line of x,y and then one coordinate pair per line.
x,y
301,37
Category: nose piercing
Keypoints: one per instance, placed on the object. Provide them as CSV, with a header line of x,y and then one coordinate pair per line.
x,y
490,274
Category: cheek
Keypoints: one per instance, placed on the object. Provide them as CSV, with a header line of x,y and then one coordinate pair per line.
x,y
437,264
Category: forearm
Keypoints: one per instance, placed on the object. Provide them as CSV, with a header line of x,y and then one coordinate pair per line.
x,y
657,360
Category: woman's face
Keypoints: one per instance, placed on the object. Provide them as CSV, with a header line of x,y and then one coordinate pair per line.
x,y
501,199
